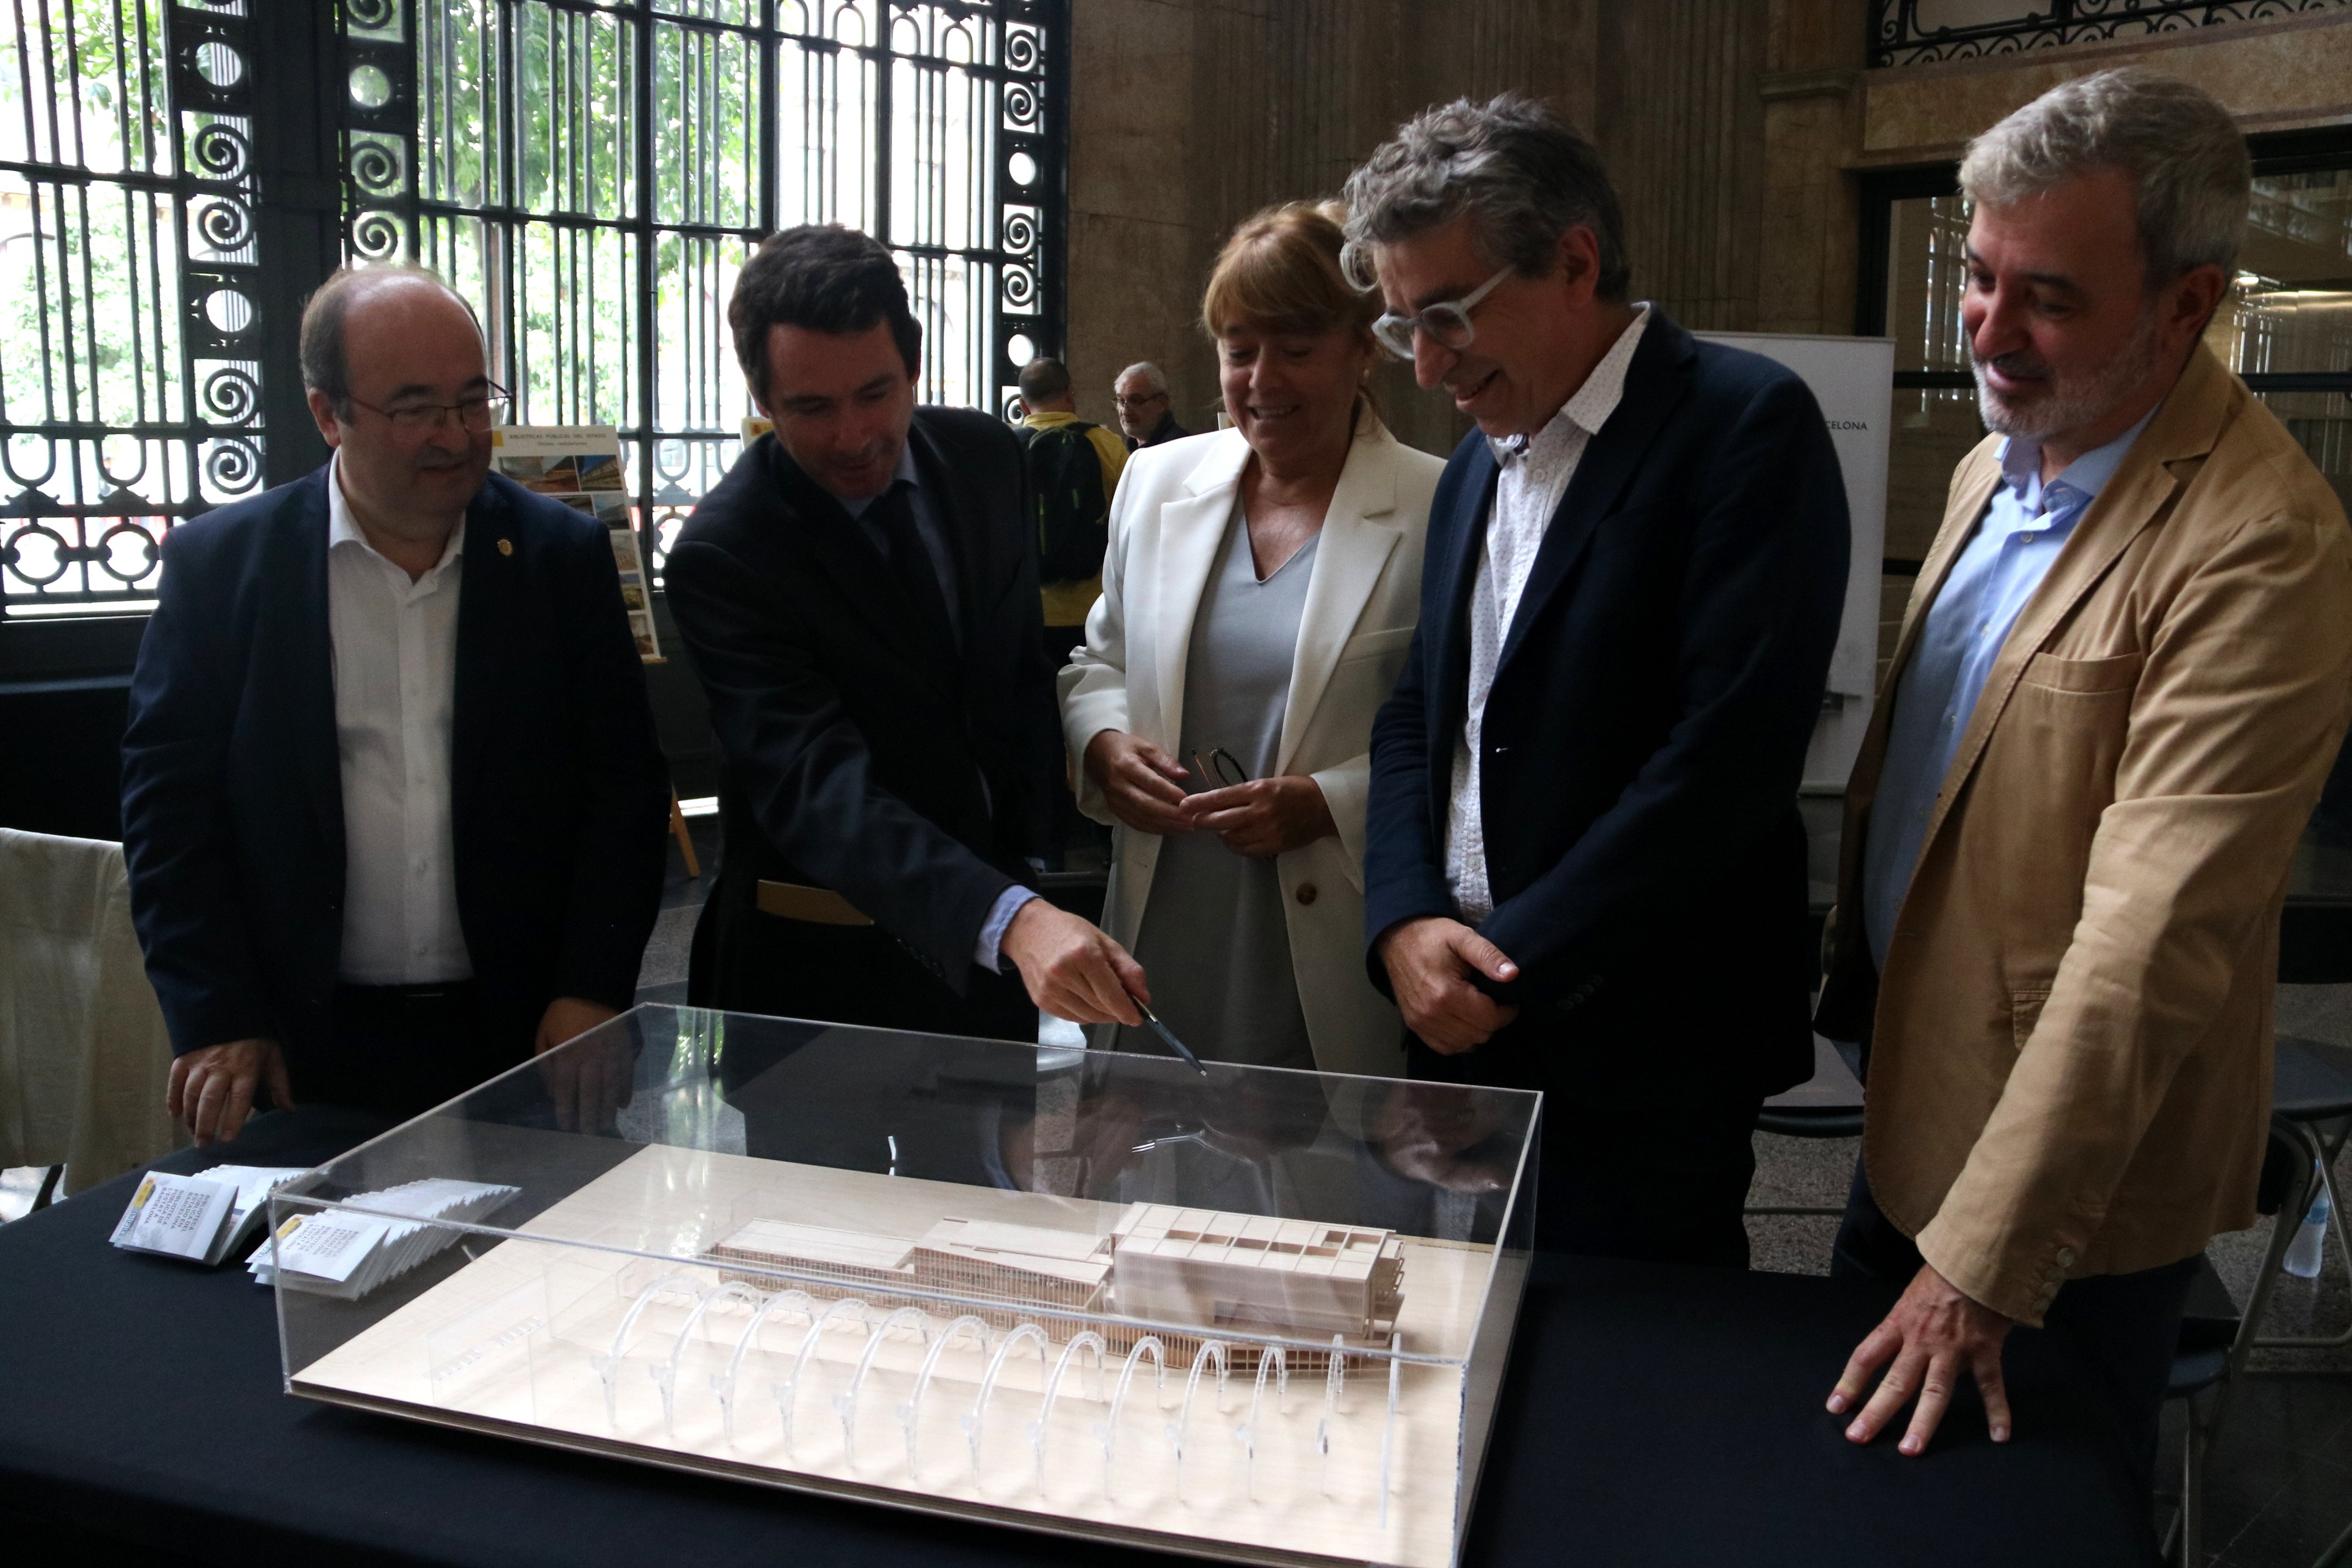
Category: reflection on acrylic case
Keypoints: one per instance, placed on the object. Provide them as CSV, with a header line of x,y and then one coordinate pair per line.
x,y
1261,1314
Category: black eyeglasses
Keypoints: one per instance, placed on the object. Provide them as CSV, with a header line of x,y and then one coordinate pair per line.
x,y
477,414
1221,765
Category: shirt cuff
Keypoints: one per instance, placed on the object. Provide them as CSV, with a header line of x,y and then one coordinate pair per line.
x,y
992,930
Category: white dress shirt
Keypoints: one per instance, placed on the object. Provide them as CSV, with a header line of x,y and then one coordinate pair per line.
x,y
394,644
1535,474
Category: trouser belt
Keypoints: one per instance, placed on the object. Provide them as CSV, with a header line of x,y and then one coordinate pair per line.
x,y
816,906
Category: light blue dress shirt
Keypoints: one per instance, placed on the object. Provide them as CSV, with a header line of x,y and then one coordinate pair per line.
x,y
2021,534
985,952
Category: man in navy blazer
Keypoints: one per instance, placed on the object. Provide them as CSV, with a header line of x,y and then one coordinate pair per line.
x,y
392,801
1585,872
860,597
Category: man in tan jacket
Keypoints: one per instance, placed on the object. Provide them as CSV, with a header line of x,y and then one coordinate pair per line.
x,y
2120,684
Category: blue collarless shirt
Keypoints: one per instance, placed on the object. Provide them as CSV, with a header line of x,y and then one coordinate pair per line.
x,y
2019,535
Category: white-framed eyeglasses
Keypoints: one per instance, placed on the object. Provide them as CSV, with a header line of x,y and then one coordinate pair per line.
x,y
1447,323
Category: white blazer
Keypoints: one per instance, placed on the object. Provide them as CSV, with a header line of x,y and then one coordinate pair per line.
x,y
1171,513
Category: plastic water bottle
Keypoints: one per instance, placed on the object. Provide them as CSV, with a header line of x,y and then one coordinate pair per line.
x,y
2303,1253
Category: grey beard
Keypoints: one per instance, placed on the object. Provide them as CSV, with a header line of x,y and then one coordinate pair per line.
x,y
2072,405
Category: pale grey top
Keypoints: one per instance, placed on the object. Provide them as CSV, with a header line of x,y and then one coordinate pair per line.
x,y
1213,940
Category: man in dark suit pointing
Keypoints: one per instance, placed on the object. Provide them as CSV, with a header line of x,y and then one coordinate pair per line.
x,y
1585,871
860,596
391,797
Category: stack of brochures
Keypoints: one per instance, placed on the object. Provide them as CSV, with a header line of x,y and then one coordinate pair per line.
x,y
342,1252
203,1217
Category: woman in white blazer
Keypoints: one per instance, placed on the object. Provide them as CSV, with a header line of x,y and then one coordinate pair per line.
x,y
1259,591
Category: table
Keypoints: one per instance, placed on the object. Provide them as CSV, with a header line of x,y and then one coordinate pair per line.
x,y
1652,1415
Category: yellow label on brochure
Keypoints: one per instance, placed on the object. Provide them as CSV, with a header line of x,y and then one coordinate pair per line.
x,y
146,1191
292,1223
498,438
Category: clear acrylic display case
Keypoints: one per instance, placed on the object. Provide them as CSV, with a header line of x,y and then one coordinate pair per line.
x,y
1244,1313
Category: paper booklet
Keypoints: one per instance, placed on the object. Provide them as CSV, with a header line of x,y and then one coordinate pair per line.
x,y
335,1252
205,1218
580,465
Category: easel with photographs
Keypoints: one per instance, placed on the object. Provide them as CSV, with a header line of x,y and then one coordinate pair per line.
x,y
580,465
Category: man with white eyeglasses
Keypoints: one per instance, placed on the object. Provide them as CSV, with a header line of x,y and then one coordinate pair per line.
x,y
395,813
1584,870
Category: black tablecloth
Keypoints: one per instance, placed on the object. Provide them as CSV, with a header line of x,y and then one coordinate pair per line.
x,y
1651,1415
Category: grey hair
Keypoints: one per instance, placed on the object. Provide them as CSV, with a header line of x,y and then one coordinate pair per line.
x,y
1144,371
1524,177
326,367
2191,175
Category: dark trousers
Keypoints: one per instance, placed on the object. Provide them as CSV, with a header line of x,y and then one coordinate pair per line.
x,y
2126,1327
1625,1169
404,1049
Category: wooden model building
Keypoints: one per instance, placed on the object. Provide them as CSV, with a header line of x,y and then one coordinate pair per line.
x,y
1225,1273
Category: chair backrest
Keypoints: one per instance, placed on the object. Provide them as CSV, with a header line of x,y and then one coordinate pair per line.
x,y
84,1055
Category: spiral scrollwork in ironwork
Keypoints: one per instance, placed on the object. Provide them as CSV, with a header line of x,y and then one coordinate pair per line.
x,y
1019,105
371,15
220,152
232,465
375,166
377,235
231,396
1024,50
225,224
1020,231
1020,288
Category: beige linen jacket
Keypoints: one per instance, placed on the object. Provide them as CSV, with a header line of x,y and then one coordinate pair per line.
x,y
2070,1061
1174,505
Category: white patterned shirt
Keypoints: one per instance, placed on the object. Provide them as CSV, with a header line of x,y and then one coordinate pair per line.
x,y
1536,471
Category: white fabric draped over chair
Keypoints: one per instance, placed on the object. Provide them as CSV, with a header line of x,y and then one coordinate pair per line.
x,y
83,1051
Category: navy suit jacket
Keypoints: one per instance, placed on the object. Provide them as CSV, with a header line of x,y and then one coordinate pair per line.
x,y
231,784
856,760
1647,731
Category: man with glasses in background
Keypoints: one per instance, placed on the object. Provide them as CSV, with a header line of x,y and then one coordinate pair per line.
x,y
391,802
1584,869
1146,416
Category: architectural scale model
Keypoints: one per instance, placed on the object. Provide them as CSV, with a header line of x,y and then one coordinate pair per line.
x,y
1162,1264
1152,1372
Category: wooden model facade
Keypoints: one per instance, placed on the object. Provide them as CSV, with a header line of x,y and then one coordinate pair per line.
x,y
1225,1273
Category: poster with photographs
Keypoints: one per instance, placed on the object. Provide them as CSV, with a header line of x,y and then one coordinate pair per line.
x,y
580,465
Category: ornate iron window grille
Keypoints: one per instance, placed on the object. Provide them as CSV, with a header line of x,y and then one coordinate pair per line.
x,y
129,381
594,175
1899,36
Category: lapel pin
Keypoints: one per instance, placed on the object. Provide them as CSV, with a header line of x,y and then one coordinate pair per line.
x,y
506,547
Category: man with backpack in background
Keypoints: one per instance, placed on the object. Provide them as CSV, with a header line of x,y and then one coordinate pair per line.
x,y
1074,469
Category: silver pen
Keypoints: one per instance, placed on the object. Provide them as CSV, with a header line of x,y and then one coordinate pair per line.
x,y
1167,1037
